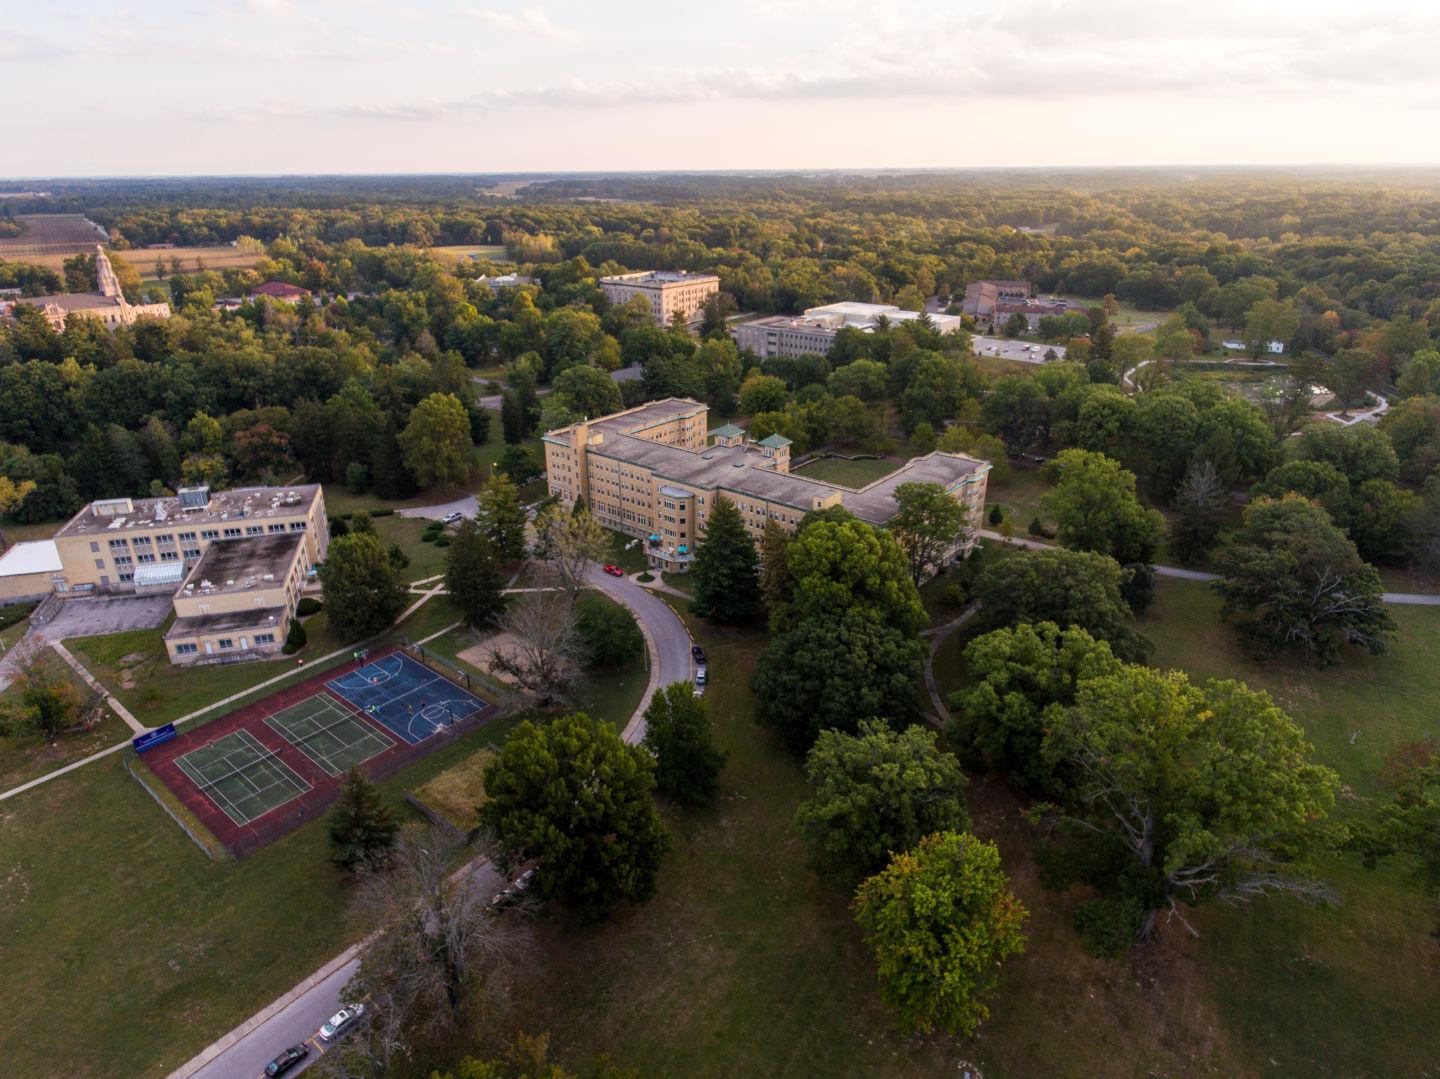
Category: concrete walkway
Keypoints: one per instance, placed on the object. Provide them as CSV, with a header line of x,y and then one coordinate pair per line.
x,y
938,635
90,680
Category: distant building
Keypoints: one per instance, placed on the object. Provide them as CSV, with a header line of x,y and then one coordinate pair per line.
x,y
1033,310
108,305
281,291
506,280
1275,348
815,330
666,291
655,472
982,296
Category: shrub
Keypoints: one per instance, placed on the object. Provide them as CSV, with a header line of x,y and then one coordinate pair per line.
x,y
646,577
15,612
383,511
338,528
307,606
295,639
1109,927
955,596
996,514
357,477
442,541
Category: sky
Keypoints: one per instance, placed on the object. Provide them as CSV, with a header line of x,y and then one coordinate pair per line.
x,y
197,87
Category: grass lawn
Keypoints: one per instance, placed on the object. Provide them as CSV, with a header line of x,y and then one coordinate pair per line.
x,y
111,917
848,473
685,582
625,552
426,559
456,793
462,252
25,755
1019,496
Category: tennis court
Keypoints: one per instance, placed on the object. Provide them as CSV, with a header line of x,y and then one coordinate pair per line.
x,y
240,776
405,696
329,733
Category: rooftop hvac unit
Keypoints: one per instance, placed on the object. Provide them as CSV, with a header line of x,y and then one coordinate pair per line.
x,y
194,498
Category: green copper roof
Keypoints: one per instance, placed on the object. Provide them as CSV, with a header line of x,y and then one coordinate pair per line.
x,y
728,431
774,442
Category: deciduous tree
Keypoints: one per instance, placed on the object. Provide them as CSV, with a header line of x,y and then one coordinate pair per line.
x,y
677,732
928,525
577,801
436,442
1095,508
875,794
502,517
940,919
362,588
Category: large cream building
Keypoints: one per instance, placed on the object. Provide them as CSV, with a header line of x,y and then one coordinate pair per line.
x,y
655,472
666,291
816,329
108,305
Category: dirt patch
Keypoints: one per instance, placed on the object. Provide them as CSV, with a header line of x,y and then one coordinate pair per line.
x,y
482,656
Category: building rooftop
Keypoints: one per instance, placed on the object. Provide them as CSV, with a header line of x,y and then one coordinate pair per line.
x,y
37,556
242,565
117,516
281,290
730,430
658,277
747,471
256,619
75,301
775,442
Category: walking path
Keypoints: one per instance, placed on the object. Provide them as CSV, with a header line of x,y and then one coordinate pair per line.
x,y
90,680
938,635
294,1017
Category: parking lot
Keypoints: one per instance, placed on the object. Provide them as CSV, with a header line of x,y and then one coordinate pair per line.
x,y
114,614
1005,348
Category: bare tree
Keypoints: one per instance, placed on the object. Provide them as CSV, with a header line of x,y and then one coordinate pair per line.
x,y
440,947
540,646
568,545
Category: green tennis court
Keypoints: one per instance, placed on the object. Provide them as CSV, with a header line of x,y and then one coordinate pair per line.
x,y
329,733
241,776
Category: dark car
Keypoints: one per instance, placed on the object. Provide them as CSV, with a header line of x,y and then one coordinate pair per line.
x,y
697,654
287,1060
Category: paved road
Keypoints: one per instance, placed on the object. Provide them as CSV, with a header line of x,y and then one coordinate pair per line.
x,y
296,1016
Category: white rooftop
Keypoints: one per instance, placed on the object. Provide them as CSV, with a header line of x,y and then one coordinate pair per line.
x,y
37,556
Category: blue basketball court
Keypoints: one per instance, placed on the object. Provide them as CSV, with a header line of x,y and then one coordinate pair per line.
x,y
406,697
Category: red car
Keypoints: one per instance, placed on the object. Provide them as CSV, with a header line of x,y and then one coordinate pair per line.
x,y
614,571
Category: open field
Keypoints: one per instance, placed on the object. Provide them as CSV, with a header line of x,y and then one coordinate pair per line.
x,y
462,252
127,951
456,793
45,237
849,473
745,964
221,258
24,755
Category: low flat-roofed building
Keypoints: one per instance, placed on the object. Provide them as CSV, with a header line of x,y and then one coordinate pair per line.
x,y
816,329
115,544
666,291
655,472
238,599
28,571
982,296
1033,310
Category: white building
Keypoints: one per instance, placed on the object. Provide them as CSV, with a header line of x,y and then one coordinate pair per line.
x,y
815,330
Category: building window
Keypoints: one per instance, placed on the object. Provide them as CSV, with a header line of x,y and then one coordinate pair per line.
x,y
127,577
187,537
192,552
123,560
142,541
276,528
99,563
264,638
169,556
117,545
146,557
95,547
186,649
232,533
254,530
226,642
209,534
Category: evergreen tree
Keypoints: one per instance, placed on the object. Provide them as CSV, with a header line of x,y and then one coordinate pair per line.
x,y
473,576
362,827
727,583
775,581
388,475
503,517
677,731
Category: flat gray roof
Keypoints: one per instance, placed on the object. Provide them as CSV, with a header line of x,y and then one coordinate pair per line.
x,y
257,619
239,565
742,469
228,507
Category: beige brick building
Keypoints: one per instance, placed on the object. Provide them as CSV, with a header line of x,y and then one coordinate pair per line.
x,y
655,472
107,305
148,544
238,600
666,291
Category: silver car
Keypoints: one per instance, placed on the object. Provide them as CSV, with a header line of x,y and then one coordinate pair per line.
x,y
342,1021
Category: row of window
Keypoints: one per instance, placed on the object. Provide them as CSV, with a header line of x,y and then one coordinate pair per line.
x,y
189,538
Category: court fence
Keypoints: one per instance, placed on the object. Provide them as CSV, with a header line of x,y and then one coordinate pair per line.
x,y
203,844
435,662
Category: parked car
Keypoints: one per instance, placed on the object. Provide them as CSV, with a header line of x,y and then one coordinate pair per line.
x,y
286,1060
697,654
342,1021
614,571
451,518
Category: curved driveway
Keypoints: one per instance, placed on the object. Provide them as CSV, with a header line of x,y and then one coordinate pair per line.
x,y
297,1015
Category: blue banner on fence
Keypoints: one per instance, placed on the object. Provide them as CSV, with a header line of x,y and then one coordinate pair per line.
x,y
151,739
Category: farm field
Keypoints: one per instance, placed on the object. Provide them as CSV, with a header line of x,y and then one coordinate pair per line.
x,y
44,237
462,252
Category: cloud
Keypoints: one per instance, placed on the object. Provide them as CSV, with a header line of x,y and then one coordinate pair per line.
x,y
530,21
20,44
